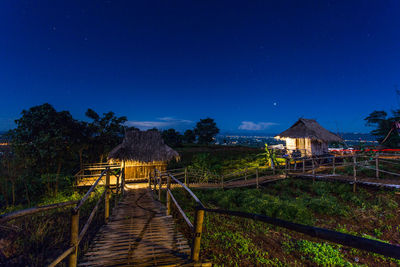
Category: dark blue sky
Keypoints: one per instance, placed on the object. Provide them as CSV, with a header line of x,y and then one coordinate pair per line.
x,y
248,64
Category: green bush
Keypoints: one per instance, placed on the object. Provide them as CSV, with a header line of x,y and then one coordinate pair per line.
x,y
321,254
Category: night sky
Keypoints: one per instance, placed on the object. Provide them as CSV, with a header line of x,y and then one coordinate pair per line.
x,y
253,66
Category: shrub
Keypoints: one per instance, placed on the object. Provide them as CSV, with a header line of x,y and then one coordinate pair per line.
x,y
321,254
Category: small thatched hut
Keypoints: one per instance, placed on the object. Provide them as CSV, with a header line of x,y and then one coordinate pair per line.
x,y
142,152
308,137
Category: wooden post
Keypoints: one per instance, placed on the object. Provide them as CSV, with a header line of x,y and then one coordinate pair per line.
x,y
117,183
304,165
354,173
257,178
107,197
150,180
168,195
295,164
313,169
198,228
333,165
155,181
117,189
186,176
123,179
245,174
73,257
377,164
286,168
159,187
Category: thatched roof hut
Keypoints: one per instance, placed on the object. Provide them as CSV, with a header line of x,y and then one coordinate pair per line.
x,y
309,137
142,152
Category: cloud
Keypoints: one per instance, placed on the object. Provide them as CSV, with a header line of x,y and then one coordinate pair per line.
x,y
160,123
173,120
252,126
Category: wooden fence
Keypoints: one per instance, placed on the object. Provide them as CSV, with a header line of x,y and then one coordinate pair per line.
x,y
349,166
156,184
76,236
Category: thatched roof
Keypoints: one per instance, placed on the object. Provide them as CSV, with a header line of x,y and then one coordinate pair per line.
x,y
306,128
143,147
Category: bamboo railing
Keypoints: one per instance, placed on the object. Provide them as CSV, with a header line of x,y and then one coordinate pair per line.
x,y
352,241
197,226
76,236
380,163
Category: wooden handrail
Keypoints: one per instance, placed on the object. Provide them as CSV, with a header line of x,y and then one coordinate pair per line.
x,y
189,223
62,256
86,196
20,213
91,216
325,234
187,189
362,243
72,251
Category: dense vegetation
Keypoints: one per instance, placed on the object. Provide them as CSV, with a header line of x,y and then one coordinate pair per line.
x,y
36,240
235,241
48,147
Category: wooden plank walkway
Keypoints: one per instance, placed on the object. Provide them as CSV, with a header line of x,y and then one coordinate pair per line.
x,y
138,234
236,183
394,184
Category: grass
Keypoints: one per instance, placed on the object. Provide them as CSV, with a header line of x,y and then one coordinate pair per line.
x,y
234,241
321,254
62,196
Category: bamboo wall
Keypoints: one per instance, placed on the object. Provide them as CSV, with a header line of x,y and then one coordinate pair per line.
x,y
135,170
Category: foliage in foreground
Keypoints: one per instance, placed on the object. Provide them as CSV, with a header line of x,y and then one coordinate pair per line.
x,y
227,240
38,239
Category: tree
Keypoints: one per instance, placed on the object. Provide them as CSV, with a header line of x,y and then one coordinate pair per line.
x,y
189,137
383,124
8,174
106,132
206,130
172,137
43,140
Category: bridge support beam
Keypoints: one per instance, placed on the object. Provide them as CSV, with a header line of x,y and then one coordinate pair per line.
x,y
123,179
159,187
168,197
198,229
73,257
107,198
334,165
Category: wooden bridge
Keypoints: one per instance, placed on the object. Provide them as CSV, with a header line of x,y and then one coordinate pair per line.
x,y
139,233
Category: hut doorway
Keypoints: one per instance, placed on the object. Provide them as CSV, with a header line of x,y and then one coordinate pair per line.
x,y
318,148
301,145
